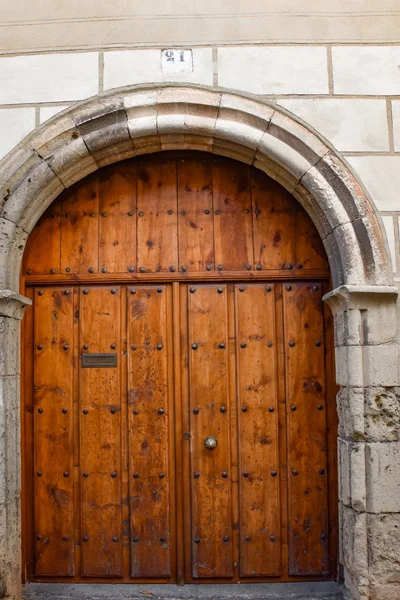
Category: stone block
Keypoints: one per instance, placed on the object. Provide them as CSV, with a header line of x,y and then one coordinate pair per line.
x,y
381,365
9,455
348,328
382,414
111,128
114,153
128,67
381,178
273,70
9,346
54,136
10,550
370,326
12,244
291,145
48,77
142,122
348,247
351,125
384,591
383,477
384,553
354,542
72,162
396,124
15,124
14,167
244,130
352,490
40,183
388,223
47,112
350,409
369,70
349,366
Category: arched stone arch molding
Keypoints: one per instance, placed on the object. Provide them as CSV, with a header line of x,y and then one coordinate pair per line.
x,y
139,120
133,121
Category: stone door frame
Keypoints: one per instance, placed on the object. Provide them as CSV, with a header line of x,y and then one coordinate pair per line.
x,y
139,120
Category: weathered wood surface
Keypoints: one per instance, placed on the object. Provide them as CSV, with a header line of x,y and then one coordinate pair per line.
x,y
127,489
174,213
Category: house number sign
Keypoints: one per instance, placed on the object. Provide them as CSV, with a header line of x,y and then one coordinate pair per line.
x,y
177,60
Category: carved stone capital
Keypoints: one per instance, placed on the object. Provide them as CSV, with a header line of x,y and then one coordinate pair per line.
x,y
13,305
360,297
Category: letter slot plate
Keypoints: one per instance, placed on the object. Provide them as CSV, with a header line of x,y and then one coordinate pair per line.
x,y
98,361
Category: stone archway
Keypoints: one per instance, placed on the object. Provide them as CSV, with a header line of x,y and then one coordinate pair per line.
x,y
140,120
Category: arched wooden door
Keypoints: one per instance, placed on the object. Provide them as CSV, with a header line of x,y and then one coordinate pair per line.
x,y
179,414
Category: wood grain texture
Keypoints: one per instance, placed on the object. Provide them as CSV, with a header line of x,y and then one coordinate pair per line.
x,y
144,499
43,248
80,228
211,494
53,439
117,218
233,240
157,216
306,429
258,430
150,445
273,210
174,213
195,214
100,437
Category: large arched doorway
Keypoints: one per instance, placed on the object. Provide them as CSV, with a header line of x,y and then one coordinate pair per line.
x,y
178,396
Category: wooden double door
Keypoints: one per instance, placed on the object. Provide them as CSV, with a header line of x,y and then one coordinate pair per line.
x,y
179,432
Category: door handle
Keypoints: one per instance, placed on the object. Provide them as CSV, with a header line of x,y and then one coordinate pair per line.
x,y
210,443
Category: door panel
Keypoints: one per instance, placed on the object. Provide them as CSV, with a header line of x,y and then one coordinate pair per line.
x,y
256,505
150,445
209,418
233,239
100,437
258,430
195,215
306,429
53,428
157,219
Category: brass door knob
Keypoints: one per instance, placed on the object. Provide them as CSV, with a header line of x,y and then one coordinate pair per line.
x,y
210,443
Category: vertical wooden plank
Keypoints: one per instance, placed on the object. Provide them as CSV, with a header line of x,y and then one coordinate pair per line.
x,y
283,496
43,248
53,432
306,429
157,216
79,227
258,430
233,236
117,220
234,430
27,454
309,249
177,400
273,210
209,416
150,444
100,440
195,214
186,442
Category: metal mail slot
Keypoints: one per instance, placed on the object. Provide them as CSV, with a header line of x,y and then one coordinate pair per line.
x,y
98,361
